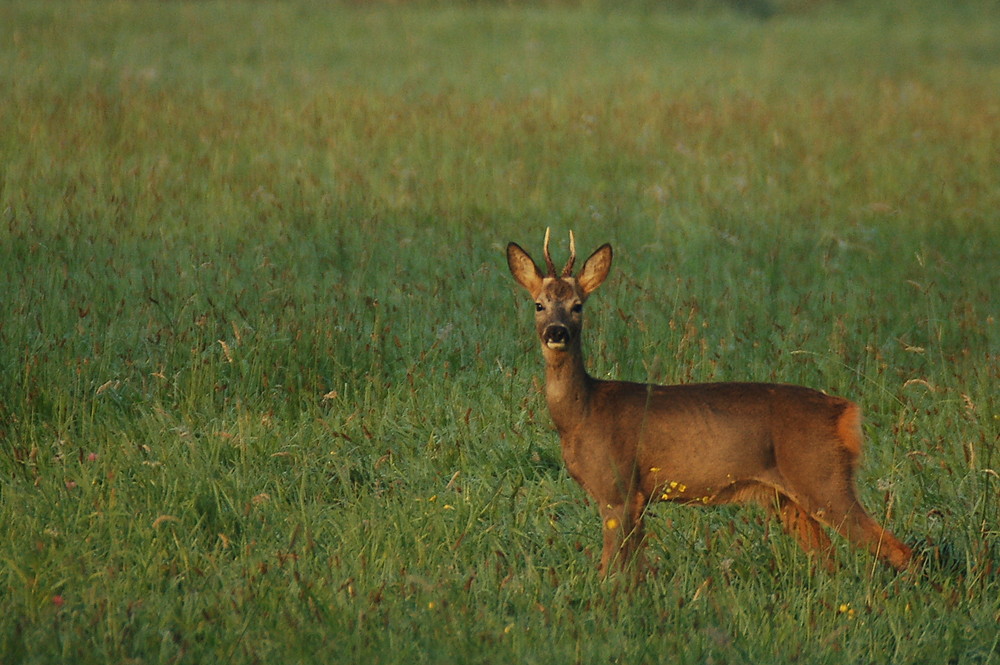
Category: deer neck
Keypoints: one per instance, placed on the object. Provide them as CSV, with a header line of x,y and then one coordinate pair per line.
x,y
567,387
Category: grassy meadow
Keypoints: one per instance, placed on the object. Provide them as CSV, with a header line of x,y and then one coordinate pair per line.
x,y
269,394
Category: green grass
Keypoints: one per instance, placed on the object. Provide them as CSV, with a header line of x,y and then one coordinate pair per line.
x,y
268,394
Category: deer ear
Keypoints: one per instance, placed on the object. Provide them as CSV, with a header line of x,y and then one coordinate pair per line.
x,y
595,270
523,268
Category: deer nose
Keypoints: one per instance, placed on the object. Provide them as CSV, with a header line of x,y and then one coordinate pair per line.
x,y
556,336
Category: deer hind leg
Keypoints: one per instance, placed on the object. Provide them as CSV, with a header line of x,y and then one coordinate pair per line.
x,y
809,534
836,505
858,527
795,519
847,515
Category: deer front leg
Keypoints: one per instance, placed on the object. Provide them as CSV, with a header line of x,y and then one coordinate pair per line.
x,y
623,536
613,529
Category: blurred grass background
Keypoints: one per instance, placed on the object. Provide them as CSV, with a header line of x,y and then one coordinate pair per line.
x,y
269,393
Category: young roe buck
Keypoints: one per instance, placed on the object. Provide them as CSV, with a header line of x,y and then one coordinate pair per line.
x,y
791,449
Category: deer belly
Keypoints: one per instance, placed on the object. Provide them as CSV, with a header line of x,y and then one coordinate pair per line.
x,y
704,478
661,486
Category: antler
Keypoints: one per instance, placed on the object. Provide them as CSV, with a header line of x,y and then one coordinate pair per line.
x,y
568,269
548,257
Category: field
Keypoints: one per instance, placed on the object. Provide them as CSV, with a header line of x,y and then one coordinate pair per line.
x,y
269,394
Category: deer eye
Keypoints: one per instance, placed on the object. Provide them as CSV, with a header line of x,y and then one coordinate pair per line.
x,y
539,307
577,307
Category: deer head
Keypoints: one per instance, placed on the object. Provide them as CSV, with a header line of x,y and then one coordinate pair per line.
x,y
559,297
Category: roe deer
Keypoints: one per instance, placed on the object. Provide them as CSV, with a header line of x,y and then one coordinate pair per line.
x,y
791,449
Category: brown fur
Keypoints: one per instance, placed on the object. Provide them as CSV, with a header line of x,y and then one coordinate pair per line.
x,y
788,448
849,429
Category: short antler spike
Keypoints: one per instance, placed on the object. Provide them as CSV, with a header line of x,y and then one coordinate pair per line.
x,y
568,270
548,257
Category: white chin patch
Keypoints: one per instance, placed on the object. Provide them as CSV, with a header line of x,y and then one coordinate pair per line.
x,y
556,346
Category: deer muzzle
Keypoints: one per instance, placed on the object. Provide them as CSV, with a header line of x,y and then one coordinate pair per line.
x,y
556,336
